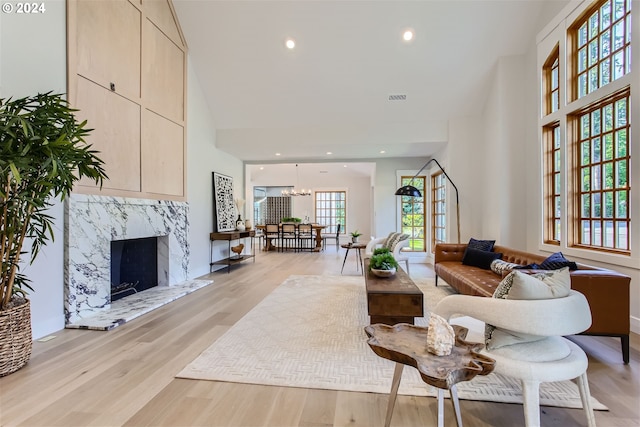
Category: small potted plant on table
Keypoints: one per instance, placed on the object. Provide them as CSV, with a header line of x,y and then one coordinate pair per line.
x,y
382,263
355,235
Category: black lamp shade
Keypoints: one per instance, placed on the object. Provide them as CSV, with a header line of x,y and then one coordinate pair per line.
x,y
408,190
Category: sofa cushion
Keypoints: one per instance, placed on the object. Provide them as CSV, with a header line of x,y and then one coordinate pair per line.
x,y
393,239
479,258
522,286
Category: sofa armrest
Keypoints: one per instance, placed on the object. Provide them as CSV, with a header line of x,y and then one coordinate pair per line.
x,y
449,252
608,295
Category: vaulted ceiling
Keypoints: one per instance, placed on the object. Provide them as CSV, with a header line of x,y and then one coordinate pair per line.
x,y
331,92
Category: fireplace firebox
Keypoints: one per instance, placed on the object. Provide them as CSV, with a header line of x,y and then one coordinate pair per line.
x,y
134,266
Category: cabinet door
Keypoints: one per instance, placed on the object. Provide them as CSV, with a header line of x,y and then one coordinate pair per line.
x,y
116,133
163,74
162,155
108,44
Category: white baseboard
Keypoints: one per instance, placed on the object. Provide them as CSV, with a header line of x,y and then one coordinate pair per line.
x,y
635,325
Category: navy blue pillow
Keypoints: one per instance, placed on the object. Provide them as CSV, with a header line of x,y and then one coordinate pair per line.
x,y
480,259
483,245
557,261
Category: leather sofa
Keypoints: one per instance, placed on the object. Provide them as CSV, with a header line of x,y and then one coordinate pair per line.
x,y
606,291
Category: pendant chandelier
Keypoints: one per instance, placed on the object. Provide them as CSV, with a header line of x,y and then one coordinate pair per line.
x,y
293,192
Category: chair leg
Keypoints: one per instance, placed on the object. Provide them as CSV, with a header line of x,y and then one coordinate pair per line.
x,y
585,396
407,262
531,400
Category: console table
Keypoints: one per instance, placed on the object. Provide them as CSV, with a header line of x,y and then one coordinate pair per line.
x,y
230,236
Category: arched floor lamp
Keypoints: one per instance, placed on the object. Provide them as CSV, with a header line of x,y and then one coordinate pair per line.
x,y
411,191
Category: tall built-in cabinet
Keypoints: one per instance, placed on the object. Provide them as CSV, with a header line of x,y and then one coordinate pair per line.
x,y
127,78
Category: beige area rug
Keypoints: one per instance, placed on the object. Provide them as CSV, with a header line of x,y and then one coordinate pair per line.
x,y
309,333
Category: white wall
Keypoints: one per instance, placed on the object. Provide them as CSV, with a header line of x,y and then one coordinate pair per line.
x,y
465,166
33,59
203,158
503,156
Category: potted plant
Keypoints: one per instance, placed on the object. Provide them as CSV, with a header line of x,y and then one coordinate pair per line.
x,y
291,219
382,263
355,235
42,155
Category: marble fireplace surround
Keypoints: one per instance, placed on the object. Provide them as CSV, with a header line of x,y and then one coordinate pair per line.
x,y
92,222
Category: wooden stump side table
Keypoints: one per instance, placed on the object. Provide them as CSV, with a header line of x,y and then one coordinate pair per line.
x,y
407,345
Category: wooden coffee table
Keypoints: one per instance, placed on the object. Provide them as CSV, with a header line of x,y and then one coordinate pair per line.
x,y
394,299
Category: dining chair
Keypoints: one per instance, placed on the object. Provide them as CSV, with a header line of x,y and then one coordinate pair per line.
x,y
288,236
306,237
272,234
336,237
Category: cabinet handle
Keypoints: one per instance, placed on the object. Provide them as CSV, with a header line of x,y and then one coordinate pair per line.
x,y
112,86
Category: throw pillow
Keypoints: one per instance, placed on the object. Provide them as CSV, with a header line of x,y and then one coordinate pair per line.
x,y
553,262
480,259
518,285
483,245
393,239
502,268
557,261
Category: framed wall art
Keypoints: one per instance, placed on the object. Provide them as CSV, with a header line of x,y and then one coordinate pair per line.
x,y
224,214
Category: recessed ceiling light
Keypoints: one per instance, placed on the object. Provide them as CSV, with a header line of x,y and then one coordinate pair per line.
x,y
290,43
261,168
407,35
329,152
277,154
344,166
382,151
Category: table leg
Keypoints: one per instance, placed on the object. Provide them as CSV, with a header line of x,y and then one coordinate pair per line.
x,y
456,404
359,261
440,407
395,384
344,260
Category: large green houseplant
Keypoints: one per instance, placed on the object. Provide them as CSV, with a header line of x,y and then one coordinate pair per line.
x,y
42,155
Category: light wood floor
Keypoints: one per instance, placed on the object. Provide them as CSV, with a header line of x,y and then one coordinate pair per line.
x,y
126,376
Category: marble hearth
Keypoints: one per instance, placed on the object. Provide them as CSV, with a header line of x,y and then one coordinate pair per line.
x,y
92,222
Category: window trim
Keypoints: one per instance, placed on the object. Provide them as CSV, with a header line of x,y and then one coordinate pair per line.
x,y
574,193
343,230
434,189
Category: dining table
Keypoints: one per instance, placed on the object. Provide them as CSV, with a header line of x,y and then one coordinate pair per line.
x,y
269,246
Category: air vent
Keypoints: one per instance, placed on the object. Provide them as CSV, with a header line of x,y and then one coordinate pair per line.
x,y
397,97
324,171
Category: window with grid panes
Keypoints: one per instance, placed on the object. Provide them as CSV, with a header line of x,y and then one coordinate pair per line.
x,y
412,215
331,210
602,45
553,184
551,81
438,210
602,161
